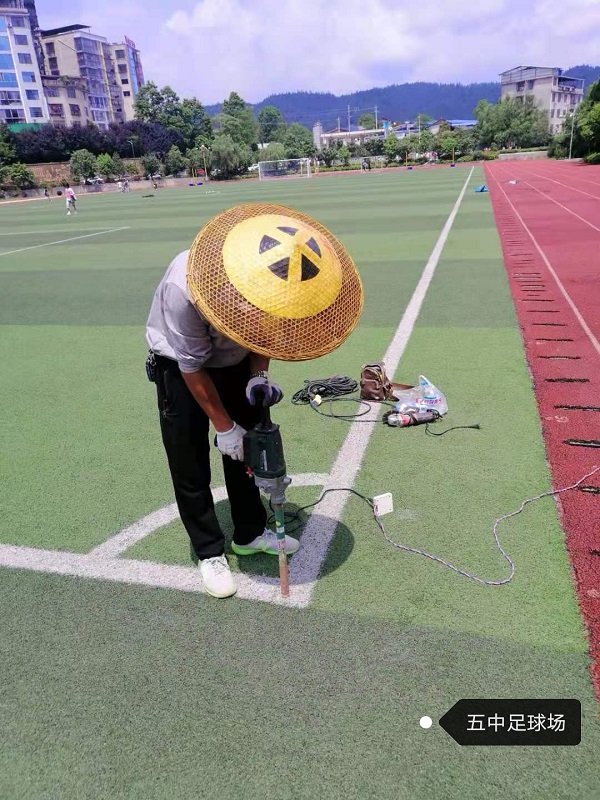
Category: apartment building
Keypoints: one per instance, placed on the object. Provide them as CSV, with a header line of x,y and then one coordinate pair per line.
x,y
130,74
67,100
552,90
21,92
75,52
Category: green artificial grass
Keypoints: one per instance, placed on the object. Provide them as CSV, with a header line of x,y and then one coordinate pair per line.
x,y
114,692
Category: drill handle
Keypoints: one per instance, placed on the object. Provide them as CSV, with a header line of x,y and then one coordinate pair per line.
x,y
265,411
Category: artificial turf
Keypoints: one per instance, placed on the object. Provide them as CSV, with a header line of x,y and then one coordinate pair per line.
x,y
115,691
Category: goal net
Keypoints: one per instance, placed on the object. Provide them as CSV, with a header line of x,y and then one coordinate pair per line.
x,y
287,168
372,164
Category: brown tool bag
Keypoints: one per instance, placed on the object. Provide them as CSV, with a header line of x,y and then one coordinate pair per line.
x,y
375,384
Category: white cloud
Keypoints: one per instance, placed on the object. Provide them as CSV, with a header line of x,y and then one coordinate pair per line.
x,y
208,48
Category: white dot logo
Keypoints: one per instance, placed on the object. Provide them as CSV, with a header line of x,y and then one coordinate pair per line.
x,y
426,722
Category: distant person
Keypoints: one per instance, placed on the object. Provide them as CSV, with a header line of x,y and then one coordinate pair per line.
x,y
120,186
47,195
126,186
154,184
71,200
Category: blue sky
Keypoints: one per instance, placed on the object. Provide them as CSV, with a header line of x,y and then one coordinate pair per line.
x,y
208,48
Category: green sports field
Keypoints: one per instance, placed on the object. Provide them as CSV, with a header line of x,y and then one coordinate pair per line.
x,y
115,689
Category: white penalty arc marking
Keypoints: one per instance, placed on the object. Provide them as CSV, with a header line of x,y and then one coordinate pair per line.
x,y
321,527
64,241
129,536
104,562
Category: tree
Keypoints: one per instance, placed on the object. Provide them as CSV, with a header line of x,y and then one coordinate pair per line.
x,y
512,122
367,121
446,145
105,165
374,147
422,120
195,160
391,149
151,165
344,154
273,152
21,177
163,106
587,120
83,164
298,141
329,155
229,158
174,162
132,169
7,149
118,167
195,126
234,105
271,125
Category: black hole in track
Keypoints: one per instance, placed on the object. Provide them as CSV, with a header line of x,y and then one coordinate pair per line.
x,y
562,358
554,340
595,552
578,408
567,380
583,442
549,325
590,489
542,311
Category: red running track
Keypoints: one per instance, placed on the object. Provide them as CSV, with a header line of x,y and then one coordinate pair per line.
x,y
549,225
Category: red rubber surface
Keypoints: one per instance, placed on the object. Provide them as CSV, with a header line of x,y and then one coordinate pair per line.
x,y
560,205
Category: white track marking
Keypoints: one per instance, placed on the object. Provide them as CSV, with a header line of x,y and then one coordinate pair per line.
x,y
563,291
567,185
63,241
129,536
552,200
320,529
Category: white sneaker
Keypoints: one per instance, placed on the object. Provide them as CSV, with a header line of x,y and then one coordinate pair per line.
x,y
266,543
217,578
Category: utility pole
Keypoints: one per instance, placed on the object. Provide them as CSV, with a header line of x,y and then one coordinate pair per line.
x,y
348,117
572,129
339,127
376,117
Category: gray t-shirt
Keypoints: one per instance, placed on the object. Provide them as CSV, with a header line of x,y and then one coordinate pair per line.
x,y
176,329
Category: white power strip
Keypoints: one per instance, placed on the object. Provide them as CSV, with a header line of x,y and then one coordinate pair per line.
x,y
383,504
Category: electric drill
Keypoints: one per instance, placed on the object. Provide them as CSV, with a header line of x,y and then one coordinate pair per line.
x,y
263,456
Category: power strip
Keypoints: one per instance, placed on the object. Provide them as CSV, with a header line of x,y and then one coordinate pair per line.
x,y
383,504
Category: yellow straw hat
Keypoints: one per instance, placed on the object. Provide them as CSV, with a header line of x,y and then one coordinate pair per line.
x,y
275,281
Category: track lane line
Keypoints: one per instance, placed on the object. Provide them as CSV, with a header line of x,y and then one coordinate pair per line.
x,y
595,343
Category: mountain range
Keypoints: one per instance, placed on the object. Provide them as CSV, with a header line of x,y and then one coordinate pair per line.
x,y
397,102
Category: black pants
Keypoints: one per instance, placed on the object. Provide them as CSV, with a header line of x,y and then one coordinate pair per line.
x,y
185,434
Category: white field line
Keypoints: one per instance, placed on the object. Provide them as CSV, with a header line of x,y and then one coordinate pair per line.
x,y
563,291
102,563
40,232
63,241
129,536
321,528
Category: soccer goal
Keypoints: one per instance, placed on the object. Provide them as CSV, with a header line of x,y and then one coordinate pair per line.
x,y
287,168
372,164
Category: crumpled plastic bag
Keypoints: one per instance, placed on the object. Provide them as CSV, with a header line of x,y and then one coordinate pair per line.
x,y
422,397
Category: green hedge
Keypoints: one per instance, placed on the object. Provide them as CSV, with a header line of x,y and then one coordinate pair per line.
x,y
592,158
525,149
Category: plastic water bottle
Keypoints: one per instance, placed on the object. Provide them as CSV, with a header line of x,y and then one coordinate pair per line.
x,y
431,397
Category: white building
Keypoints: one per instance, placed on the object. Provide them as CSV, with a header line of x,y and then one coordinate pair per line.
x,y
21,93
552,91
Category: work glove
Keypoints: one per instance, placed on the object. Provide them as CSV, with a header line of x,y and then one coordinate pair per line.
x,y
231,442
260,389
